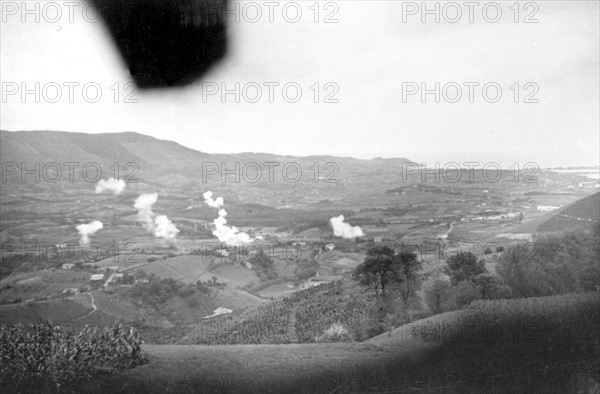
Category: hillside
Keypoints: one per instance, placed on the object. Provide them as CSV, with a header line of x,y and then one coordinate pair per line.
x,y
156,158
374,194
535,345
581,214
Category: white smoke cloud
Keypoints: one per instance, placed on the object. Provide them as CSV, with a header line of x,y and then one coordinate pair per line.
x,y
228,235
87,230
159,225
164,228
344,230
144,206
110,184
218,203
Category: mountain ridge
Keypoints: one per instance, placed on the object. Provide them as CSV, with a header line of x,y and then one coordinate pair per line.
x,y
23,135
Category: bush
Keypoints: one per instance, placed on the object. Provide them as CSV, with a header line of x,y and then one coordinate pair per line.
x,y
186,291
156,292
51,353
464,293
464,266
336,332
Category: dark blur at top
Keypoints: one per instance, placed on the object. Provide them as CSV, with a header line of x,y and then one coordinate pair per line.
x,y
167,43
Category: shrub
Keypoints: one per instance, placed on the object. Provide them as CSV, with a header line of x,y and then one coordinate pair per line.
x,y
464,293
186,291
336,332
51,353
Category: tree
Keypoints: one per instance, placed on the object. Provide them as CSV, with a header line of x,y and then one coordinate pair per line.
x,y
383,270
464,293
377,270
491,287
391,277
464,266
555,264
409,266
437,294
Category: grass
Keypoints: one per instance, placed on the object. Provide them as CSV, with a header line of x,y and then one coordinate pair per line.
x,y
248,368
42,283
470,363
60,310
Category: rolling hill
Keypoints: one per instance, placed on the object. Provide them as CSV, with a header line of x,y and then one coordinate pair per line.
x,y
581,214
157,158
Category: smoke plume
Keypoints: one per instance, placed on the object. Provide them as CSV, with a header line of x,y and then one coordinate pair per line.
x,y
144,206
164,228
344,230
228,235
218,203
111,184
86,230
159,225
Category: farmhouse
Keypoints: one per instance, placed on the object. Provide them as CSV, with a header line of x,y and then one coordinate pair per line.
x,y
96,277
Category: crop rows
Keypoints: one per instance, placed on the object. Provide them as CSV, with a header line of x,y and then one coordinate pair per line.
x,y
59,355
298,318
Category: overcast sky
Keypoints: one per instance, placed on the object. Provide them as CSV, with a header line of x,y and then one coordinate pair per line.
x,y
369,53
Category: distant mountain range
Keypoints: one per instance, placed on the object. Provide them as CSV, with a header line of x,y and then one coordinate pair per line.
x,y
153,156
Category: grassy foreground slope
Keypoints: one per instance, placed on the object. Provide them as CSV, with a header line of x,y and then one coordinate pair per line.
x,y
532,345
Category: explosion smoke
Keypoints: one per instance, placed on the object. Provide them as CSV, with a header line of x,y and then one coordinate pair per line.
x,y
228,235
159,225
86,230
164,228
218,203
111,184
344,230
144,206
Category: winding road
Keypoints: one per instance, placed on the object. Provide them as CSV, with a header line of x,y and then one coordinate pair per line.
x,y
93,306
